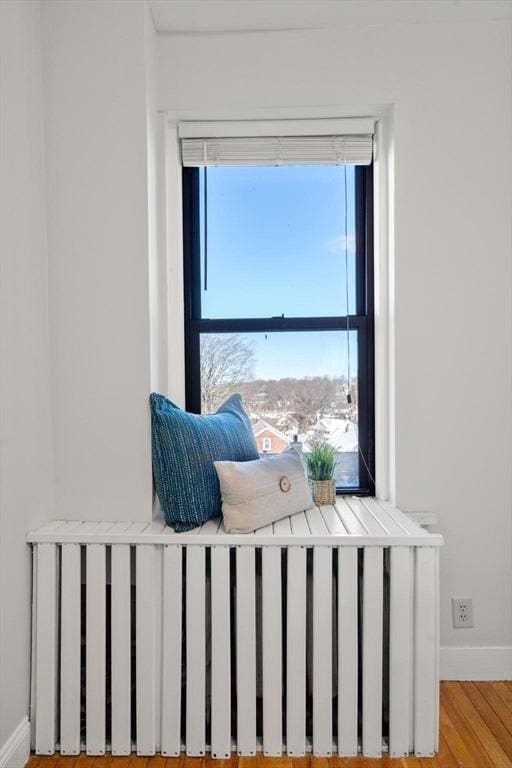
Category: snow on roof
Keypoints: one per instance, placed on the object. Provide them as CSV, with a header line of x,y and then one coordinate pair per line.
x,y
340,433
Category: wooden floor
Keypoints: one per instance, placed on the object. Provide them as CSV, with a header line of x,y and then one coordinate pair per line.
x,y
476,732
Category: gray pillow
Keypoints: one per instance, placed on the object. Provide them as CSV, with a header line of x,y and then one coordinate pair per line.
x,y
257,493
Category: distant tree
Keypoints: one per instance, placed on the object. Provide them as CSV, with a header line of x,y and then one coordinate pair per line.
x,y
227,360
311,396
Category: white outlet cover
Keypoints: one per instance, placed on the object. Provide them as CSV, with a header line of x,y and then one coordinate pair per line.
x,y
462,611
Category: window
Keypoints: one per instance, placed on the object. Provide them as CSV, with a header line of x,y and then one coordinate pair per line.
x,y
278,271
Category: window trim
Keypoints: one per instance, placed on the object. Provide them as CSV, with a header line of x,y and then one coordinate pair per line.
x,y
363,321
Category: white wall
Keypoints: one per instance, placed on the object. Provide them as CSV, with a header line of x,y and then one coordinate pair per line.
x,y
449,85
98,244
26,452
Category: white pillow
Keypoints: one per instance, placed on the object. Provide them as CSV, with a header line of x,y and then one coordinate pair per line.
x,y
257,493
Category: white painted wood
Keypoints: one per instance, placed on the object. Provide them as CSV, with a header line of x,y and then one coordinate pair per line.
x,y
322,652
390,525
372,651
221,654
118,528
368,520
52,526
317,535
70,643
425,665
46,651
95,649
171,651
323,539
316,523
15,751
411,528
137,533
400,650
120,650
272,657
195,708
350,521
145,648
347,525
299,525
76,526
209,528
296,653
158,603
282,527
259,536
246,650
333,521
312,127
347,651
423,518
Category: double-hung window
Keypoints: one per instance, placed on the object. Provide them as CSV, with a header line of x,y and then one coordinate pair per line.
x,y
278,279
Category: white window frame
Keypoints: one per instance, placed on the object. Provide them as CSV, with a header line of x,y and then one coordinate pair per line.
x,y
170,229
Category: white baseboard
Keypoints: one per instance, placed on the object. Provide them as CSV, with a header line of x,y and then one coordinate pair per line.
x,y
16,750
477,663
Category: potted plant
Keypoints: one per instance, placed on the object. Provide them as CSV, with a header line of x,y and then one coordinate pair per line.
x,y
321,463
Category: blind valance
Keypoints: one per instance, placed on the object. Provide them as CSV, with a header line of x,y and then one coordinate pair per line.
x,y
294,142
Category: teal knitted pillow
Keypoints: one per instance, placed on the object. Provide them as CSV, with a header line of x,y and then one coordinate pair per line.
x,y
185,446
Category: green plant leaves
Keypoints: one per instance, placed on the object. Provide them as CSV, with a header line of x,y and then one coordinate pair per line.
x,y
321,462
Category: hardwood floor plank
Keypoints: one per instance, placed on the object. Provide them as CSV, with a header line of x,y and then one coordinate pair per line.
x,y
496,702
490,717
210,762
454,739
475,724
39,761
249,762
315,762
504,689
350,762
85,761
498,757
445,758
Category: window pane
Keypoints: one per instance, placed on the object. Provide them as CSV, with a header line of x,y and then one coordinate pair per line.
x,y
294,386
276,241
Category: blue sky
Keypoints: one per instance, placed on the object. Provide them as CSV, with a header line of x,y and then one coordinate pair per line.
x,y
276,245
299,354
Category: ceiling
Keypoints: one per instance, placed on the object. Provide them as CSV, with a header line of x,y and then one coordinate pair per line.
x,y
214,16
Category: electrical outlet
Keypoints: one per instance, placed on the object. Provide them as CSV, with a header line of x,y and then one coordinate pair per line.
x,y
462,610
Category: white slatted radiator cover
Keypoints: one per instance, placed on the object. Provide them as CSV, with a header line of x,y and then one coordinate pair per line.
x,y
318,633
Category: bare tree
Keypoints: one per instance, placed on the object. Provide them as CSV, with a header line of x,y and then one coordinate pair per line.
x,y
310,396
226,361
298,399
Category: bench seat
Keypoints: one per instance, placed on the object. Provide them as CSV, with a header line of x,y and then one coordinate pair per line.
x,y
352,521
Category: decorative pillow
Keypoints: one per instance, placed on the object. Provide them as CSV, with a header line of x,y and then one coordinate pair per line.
x,y
185,445
257,493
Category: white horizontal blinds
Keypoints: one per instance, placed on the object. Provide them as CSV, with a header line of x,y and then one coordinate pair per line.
x,y
295,142
281,150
